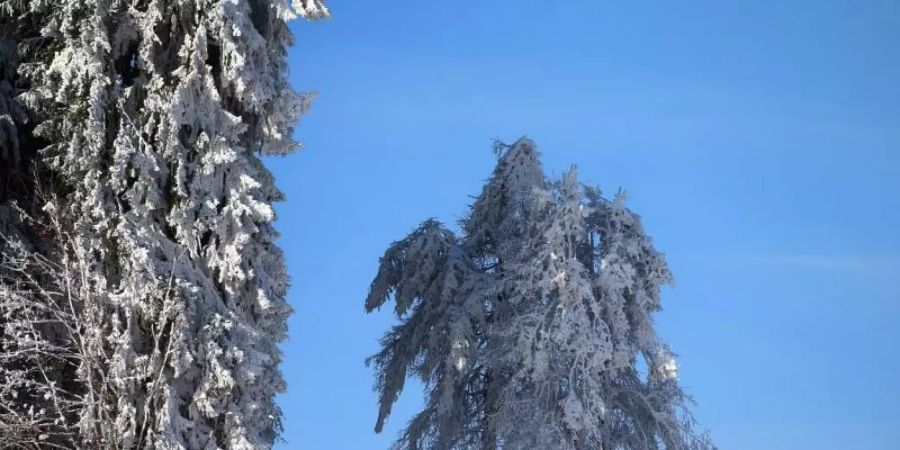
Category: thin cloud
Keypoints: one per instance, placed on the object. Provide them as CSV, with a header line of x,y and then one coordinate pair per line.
x,y
821,262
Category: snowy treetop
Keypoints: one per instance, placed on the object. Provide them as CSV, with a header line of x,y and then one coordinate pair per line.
x,y
527,329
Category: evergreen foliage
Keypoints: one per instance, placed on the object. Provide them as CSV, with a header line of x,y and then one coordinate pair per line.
x,y
150,264
528,328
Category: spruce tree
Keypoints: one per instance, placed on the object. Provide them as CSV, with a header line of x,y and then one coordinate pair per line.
x,y
141,291
527,329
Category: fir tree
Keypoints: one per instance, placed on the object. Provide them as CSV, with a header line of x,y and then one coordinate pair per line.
x,y
142,298
528,328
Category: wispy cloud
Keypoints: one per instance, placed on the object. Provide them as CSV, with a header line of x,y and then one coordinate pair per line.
x,y
821,262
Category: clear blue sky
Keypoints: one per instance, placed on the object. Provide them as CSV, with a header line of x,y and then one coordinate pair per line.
x,y
760,142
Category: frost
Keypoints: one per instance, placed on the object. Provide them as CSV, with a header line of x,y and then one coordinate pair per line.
x,y
144,123
527,328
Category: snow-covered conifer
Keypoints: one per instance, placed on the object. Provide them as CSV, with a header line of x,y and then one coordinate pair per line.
x,y
527,329
147,119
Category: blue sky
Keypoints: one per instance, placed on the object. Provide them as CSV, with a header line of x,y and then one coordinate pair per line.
x,y
760,142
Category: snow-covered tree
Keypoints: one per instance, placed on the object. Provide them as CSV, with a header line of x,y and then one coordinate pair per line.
x,y
146,120
527,329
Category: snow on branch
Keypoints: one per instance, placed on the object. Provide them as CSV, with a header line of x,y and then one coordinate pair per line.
x,y
526,330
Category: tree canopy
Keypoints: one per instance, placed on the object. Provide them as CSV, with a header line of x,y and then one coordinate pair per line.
x,y
529,328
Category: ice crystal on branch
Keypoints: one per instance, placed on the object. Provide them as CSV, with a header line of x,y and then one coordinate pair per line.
x,y
528,328
147,119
